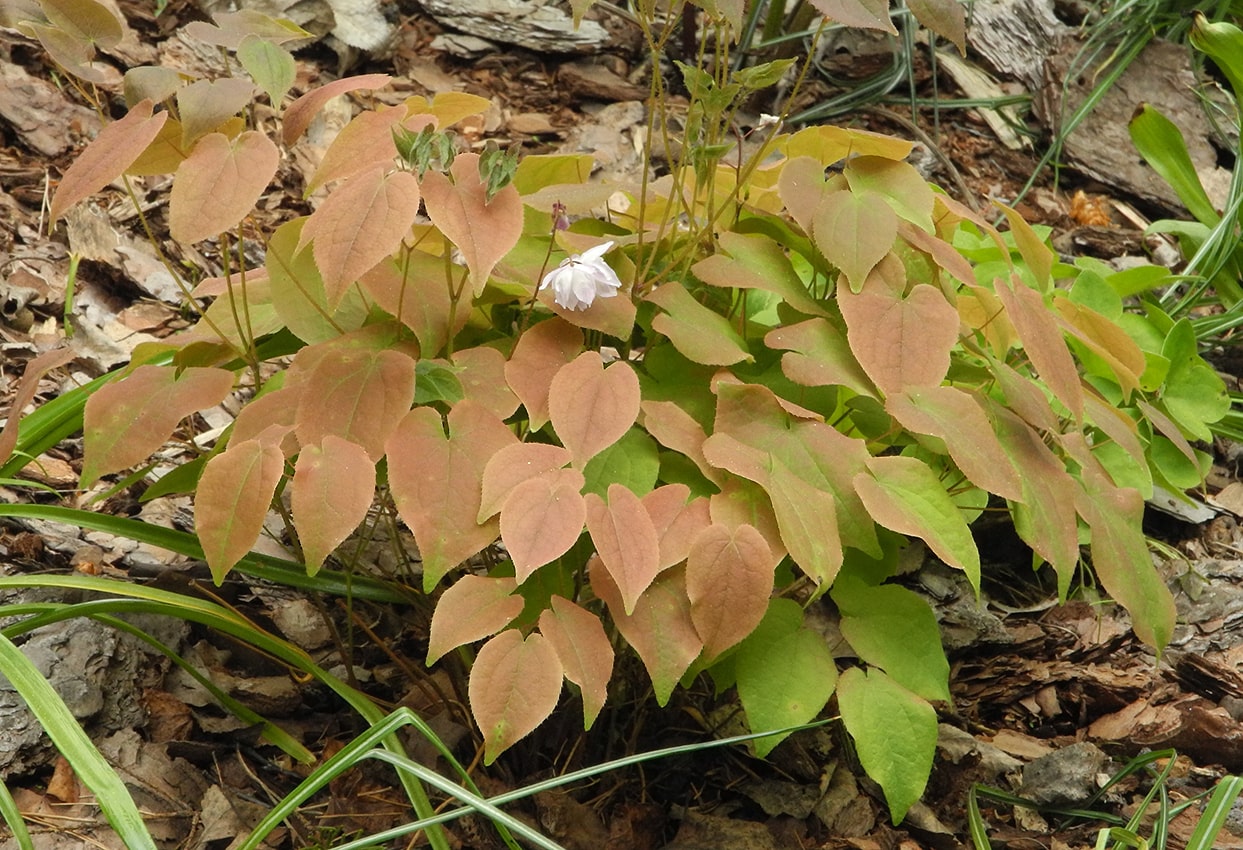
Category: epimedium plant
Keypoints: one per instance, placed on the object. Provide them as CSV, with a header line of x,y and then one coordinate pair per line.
x,y
685,409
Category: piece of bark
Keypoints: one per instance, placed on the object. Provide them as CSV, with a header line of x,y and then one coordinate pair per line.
x,y
1101,145
596,82
1015,36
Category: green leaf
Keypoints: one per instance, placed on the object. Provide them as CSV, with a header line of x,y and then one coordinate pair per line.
x,y
894,629
633,461
785,673
1161,144
895,734
435,381
701,334
905,496
269,65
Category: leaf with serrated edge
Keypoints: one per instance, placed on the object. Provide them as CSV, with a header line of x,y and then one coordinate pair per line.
x,y
482,373
484,231
124,422
676,429
538,356
744,502
676,521
946,18
205,105
591,406
895,734
1045,519
956,417
801,186
364,142
700,334
660,630
301,112
332,489
867,14
512,465
413,291
219,183
232,499
757,262
584,649
729,577
106,158
894,629
1042,341
514,686
1121,559
360,224
854,231
625,540
26,391
542,518
785,673
899,183
436,482
904,495
359,395
86,20
900,341
471,609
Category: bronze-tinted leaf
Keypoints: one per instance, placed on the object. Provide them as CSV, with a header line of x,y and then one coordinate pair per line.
x,y
660,629
677,522
436,482
107,157
483,230
482,373
359,395
591,406
542,518
700,334
729,578
625,540
584,649
540,353
300,113
514,686
232,499
819,356
676,429
868,14
219,183
127,420
956,417
364,142
513,464
471,609
900,342
360,224
1042,341
204,105
332,489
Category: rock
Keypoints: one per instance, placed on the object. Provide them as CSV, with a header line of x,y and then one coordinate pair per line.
x,y
537,25
1065,777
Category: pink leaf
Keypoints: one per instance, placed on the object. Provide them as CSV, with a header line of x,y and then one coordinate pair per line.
x,y
232,500
364,142
584,649
625,540
484,231
677,523
542,518
357,394
471,609
729,578
511,466
300,113
127,420
436,482
660,629
105,159
537,357
1043,341
854,231
332,489
591,407
219,183
483,379
360,224
900,341
514,686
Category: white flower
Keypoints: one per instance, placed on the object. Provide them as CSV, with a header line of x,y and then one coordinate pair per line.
x,y
582,278
767,120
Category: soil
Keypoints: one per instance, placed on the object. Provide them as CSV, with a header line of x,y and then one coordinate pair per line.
x,y
1046,698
